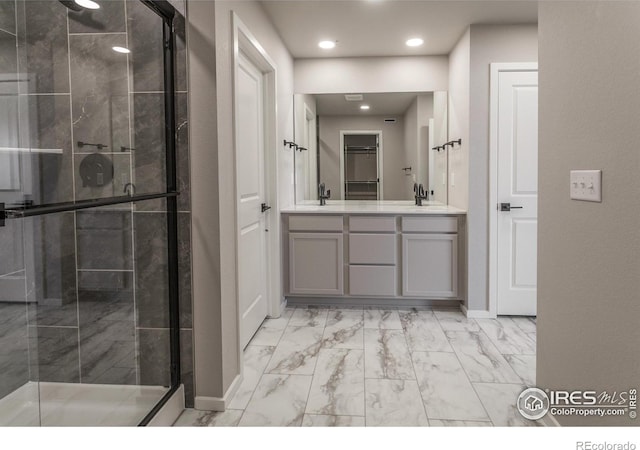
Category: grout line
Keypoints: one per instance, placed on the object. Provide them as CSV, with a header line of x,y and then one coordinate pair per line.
x,y
132,207
9,32
75,219
415,374
78,33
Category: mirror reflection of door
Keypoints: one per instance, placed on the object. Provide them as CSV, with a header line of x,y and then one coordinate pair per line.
x,y
361,174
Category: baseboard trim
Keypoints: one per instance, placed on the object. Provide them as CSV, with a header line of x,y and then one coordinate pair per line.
x,y
218,403
170,411
476,313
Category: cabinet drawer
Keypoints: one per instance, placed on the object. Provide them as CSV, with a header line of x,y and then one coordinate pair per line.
x,y
430,224
315,222
372,280
372,248
371,223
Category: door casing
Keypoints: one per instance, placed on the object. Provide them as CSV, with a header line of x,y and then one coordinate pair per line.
x,y
244,41
495,69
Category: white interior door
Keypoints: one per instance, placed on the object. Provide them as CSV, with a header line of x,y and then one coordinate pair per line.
x,y
252,248
517,185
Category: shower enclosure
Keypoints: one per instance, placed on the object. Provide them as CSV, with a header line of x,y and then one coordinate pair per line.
x,y
89,330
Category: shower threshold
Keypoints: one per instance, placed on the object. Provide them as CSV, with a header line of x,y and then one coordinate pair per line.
x,y
73,404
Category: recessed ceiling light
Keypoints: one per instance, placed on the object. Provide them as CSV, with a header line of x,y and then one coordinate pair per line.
x,y
89,4
120,49
364,107
327,45
414,42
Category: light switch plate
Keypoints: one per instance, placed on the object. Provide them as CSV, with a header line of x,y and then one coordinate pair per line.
x,y
586,185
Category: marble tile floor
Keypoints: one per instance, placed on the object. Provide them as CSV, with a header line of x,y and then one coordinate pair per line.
x,y
74,404
317,366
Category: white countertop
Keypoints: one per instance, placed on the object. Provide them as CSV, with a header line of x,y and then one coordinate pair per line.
x,y
372,207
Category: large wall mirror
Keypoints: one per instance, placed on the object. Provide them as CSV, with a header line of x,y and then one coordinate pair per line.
x,y
371,146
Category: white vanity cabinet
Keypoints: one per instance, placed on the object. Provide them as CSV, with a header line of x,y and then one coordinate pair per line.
x,y
399,259
316,255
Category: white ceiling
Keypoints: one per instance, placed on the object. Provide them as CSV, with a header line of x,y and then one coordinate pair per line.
x,y
388,104
381,27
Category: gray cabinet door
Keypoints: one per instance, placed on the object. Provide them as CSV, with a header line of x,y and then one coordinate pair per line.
x,y
316,264
430,265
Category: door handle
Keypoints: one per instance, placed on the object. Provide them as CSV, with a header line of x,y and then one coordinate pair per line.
x,y
508,207
264,207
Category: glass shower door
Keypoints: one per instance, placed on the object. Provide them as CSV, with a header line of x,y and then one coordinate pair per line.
x,y
88,290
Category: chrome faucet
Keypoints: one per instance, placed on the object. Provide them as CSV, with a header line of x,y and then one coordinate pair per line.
x,y
418,189
323,197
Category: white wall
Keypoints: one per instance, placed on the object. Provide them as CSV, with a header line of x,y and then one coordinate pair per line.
x,y
589,253
303,165
384,74
489,44
440,136
469,72
425,112
392,147
459,75
212,163
411,143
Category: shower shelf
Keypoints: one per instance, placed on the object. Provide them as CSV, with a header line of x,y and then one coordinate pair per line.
x,y
38,210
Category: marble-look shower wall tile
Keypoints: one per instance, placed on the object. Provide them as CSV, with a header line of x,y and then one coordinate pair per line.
x,y
14,360
49,119
104,239
182,153
57,356
51,279
99,92
152,289
180,27
107,330
145,42
43,46
186,366
152,296
110,18
11,247
149,144
184,270
8,16
8,59
154,357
